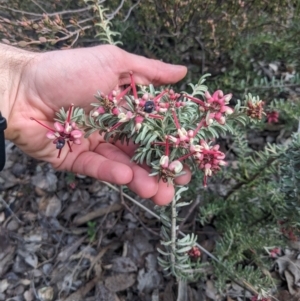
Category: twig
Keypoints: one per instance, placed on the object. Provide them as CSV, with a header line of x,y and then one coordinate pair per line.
x,y
64,12
133,200
129,209
112,15
130,10
173,232
79,295
182,290
39,6
76,32
11,212
97,213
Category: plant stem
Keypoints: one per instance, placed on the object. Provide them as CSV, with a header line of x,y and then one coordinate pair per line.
x,y
173,233
182,290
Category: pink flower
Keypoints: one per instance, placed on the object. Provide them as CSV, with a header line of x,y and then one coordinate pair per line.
x,y
194,252
62,133
164,161
275,252
216,105
209,159
272,117
100,110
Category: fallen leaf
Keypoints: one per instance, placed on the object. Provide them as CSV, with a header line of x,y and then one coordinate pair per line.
x,y
3,285
120,282
103,294
123,265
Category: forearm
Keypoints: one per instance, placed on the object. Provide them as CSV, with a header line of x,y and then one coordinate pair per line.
x,y
12,63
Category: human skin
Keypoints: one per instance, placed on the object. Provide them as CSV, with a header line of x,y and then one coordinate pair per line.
x,y
38,84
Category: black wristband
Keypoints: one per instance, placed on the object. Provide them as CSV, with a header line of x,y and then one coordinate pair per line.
x,y
3,126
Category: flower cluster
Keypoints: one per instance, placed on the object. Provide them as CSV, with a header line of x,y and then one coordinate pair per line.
x,y
255,109
216,105
168,127
62,133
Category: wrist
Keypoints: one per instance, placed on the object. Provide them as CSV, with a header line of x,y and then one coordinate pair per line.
x,y
12,64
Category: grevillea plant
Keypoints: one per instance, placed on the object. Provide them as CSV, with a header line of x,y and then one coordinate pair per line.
x,y
170,130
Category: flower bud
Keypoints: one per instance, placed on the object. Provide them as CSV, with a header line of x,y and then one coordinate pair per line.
x,y
182,133
98,111
196,148
115,111
164,161
138,126
139,119
207,170
124,117
176,166
173,139
162,110
95,114
190,133
145,96
222,120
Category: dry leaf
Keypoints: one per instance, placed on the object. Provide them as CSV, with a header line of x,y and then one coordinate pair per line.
x,y
123,265
103,294
120,282
3,285
46,293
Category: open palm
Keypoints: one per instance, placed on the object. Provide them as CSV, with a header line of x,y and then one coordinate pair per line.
x,y
56,79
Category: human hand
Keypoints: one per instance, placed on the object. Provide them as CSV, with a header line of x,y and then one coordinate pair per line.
x,y
56,79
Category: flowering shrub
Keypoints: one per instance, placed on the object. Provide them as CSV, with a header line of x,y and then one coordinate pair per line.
x,y
171,130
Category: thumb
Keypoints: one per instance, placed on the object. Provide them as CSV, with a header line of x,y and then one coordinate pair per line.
x,y
149,71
